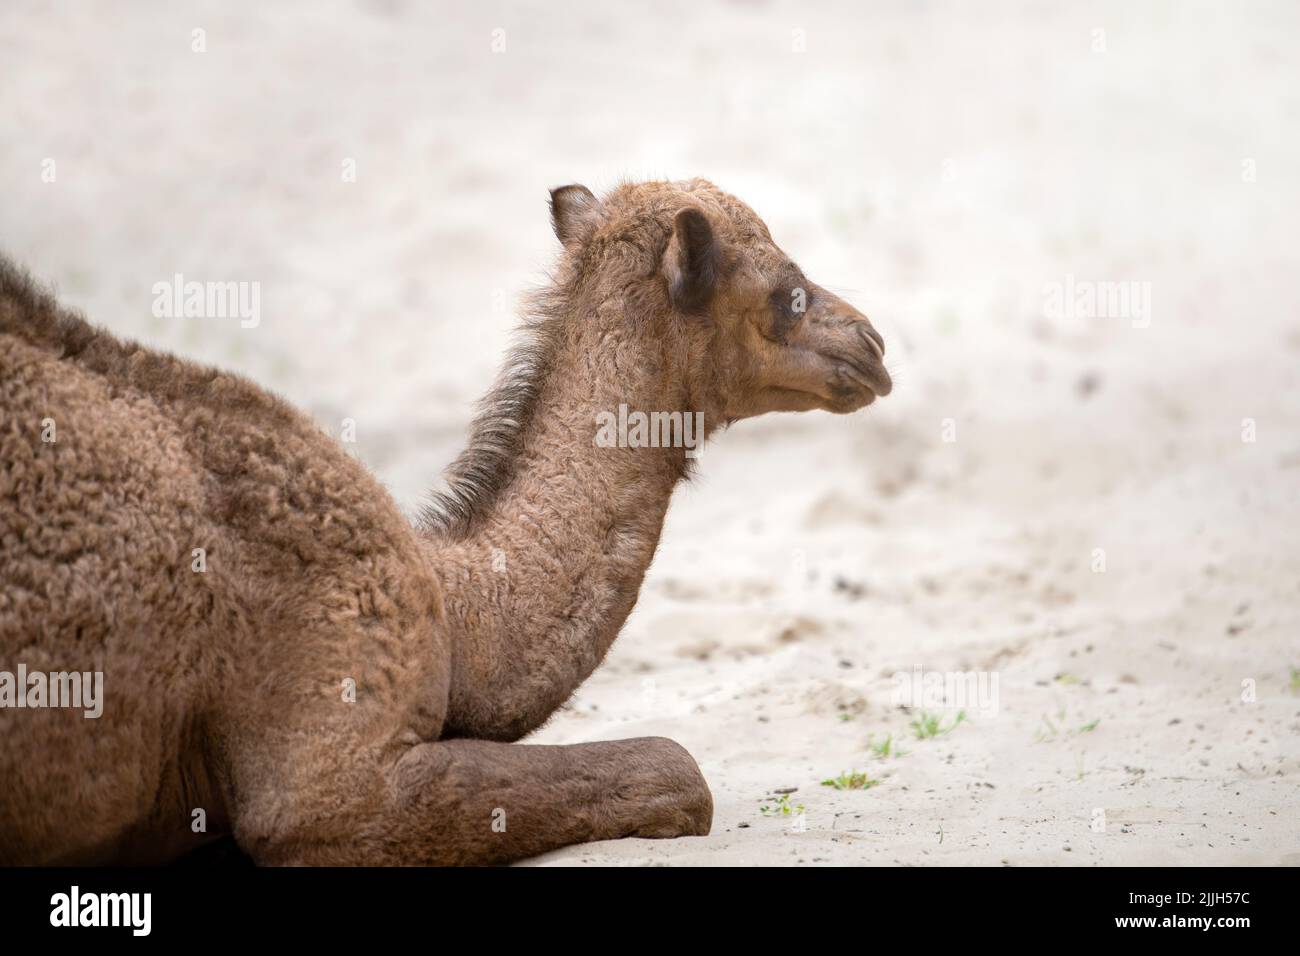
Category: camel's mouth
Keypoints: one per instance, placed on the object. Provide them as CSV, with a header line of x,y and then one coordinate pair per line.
x,y
854,403
856,380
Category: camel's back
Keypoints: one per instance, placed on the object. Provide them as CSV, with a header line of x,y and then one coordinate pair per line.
x,y
107,457
180,531
99,512
110,450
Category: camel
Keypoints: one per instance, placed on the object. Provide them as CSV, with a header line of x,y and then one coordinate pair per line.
x,y
288,659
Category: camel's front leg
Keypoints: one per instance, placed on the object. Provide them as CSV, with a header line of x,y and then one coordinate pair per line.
x,y
477,802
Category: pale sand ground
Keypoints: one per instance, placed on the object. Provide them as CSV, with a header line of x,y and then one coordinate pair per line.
x,y
939,165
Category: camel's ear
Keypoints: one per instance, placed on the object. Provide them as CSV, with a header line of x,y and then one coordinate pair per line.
x,y
574,212
691,261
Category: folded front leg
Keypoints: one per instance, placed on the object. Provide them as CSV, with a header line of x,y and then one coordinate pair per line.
x,y
462,802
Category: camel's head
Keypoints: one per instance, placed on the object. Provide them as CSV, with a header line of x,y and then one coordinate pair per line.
x,y
759,336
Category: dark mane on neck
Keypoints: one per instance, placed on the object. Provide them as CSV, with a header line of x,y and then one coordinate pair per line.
x,y
478,476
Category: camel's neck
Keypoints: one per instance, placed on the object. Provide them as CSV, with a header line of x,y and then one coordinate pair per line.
x,y
539,589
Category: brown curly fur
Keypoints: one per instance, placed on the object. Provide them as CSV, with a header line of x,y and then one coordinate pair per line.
x,y
224,688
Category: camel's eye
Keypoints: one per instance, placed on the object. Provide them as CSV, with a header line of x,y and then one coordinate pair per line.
x,y
787,302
